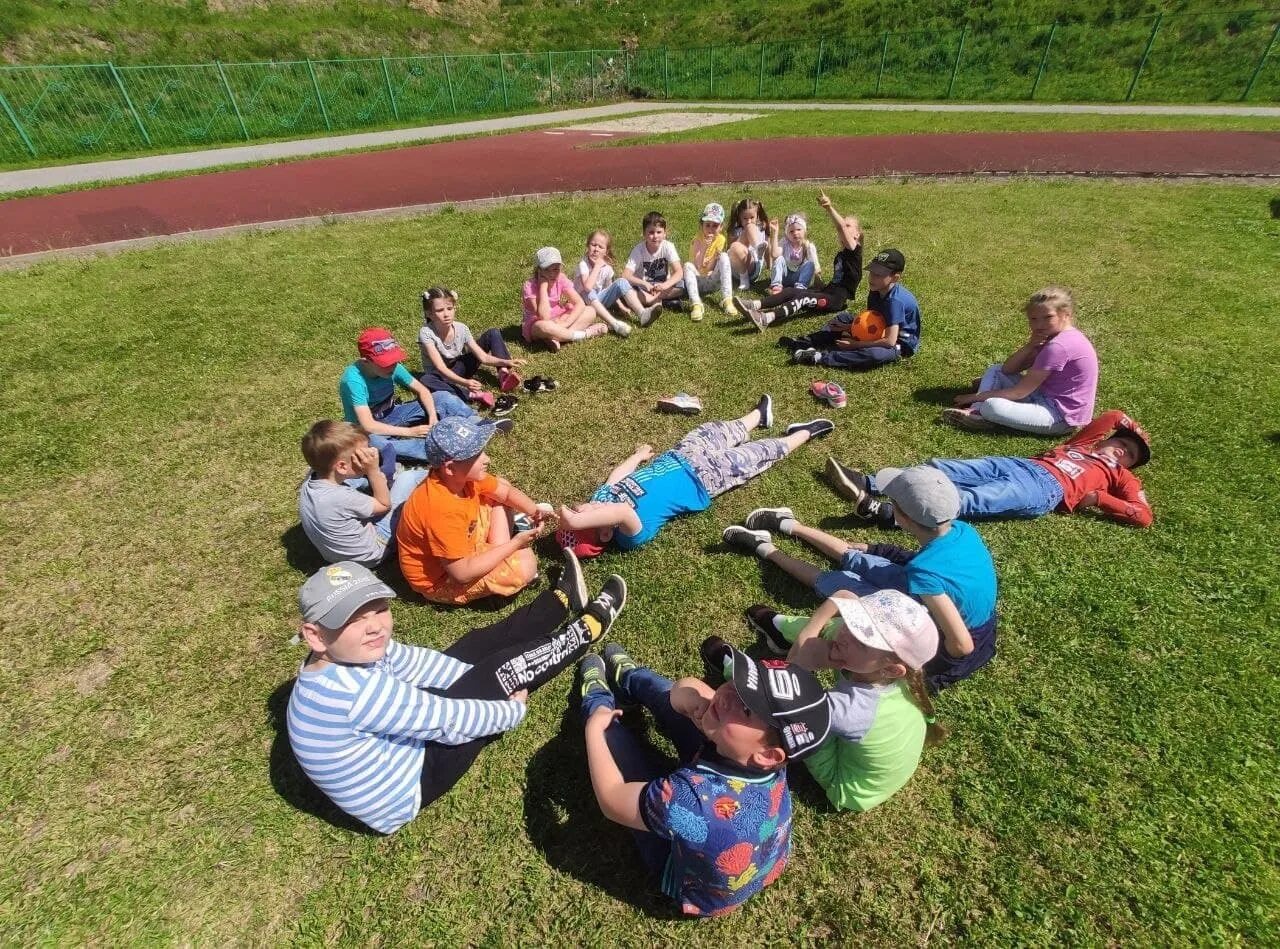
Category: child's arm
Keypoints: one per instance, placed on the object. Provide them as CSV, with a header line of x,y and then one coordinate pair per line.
x,y
365,460
1021,358
544,299
691,698
364,415
508,495
849,231
601,514
428,403
629,274
890,338
486,359
642,454
396,708
955,634
1030,381
467,570
813,257
675,272
1126,503
809,651
438,364
618,798
775,245
574,296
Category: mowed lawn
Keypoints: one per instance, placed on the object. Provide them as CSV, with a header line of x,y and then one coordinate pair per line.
x,y
1110,778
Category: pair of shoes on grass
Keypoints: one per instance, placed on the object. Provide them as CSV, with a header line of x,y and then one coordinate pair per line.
x,y
756,529
816,428
536,384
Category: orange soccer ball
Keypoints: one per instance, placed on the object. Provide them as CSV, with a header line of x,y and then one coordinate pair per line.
x,y
867,325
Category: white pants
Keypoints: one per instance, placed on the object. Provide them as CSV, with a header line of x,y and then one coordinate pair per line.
x,y
1034,414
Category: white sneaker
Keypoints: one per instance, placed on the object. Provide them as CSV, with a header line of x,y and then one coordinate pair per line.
x,y
649,314
618,326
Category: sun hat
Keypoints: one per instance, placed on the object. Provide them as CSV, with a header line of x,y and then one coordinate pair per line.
x,y
891,621
713,213
332,594
923,493
457,438
547,257
377,345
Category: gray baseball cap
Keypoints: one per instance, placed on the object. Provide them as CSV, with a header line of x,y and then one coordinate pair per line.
x,y
922,493
332,594
546,257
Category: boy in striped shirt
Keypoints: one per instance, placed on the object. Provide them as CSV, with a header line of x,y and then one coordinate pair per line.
x,y
383,728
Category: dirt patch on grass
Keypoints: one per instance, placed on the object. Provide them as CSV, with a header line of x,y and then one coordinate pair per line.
x,y
658,123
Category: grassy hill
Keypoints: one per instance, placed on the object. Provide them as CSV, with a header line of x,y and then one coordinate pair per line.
x,y
151,31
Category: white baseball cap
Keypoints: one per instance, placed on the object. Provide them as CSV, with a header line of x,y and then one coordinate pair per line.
x,y
893,622
546,257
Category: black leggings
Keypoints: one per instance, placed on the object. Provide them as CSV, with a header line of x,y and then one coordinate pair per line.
x,y
521,651
789,301
466,365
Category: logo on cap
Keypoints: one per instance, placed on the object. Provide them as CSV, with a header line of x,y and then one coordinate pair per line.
x,y
337,576
783,684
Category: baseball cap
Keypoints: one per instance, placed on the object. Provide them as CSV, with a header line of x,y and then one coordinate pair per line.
x,y
892,621
377,345
713,213
922,493
582,543
456,438
546,256
788,697
890,259
332,594
1128,426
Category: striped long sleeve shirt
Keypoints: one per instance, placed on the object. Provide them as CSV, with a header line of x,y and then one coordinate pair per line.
x,y
359,732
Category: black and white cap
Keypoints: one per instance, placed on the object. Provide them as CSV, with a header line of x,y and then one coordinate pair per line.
x,y
790,697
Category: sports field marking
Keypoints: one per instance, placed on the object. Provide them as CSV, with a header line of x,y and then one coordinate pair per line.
x,y
662,122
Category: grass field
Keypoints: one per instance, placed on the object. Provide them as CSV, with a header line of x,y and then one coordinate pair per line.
x,y
1109,778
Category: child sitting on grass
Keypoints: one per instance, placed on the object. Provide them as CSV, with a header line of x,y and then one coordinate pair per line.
x,y
717,829
367,389
455,533
451,356
384,729
597,285
654,268
633,504
1092,470
952,573
342,522
748,242
1047,387
554,313
896,306
881,715
707,269
795,257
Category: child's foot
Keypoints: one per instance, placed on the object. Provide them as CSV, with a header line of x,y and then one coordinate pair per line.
x,y
726,304
807,357
760,621
747,541
618,664
697,312
503,426
769,518
618,326
765,408
790,343
761,319
596,330
571,583
650,313
607,605
593,675
815,427
966,419
508,379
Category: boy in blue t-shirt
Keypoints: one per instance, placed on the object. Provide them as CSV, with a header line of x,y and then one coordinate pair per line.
x,y
952,573
367,389
716,830
835,346
633,504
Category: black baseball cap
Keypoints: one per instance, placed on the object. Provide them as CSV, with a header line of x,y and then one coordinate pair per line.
x,y
890,259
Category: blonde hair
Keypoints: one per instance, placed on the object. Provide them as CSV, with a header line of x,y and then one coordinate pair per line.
x,y
935,734
1058,299
327,441
608,243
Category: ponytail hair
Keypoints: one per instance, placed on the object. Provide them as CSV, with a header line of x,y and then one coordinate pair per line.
x,y
935,734
436,293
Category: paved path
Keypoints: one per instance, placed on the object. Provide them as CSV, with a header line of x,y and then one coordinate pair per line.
x,y
540,162
62,175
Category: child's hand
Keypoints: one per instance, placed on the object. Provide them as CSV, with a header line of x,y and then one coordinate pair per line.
x,y
418,431
520,695
542,510
823,200
475,385
773,227
365,459
643,452
1089,500
512,363
690,701
964,401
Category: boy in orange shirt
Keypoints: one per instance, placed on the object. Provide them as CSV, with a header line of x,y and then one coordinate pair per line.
x,y
455,535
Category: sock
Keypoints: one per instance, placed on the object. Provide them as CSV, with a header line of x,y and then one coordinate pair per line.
x,y
562,597
593,625
765,549
786,525
579,335
768,319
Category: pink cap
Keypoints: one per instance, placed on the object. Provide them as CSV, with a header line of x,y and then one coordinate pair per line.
x,y
893,622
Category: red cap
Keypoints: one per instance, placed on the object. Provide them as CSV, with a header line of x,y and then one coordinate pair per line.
x,y
1131,427
379,347
585,544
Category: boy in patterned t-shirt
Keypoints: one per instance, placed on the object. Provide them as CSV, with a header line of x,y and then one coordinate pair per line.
x,y
717,829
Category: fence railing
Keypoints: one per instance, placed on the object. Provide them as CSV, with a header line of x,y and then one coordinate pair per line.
x,y
52,112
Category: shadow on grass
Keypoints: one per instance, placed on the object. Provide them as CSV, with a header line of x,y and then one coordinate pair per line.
x,y
563,821
939,395
778,586
299,552
288,778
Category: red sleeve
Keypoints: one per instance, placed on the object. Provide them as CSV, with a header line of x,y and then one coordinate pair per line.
x,y
1126,501
1098,429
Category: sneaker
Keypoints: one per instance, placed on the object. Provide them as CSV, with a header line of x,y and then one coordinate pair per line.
x,y
504,405
616,325
596,330
697,312
966,419
850,483
815,427
535,384
682,403
760,621
726,304
503,426
830,393
790,343
765,408
593,675
748,541
714,650
744,307
806,357
508,379
618,664
571,583
768,518
607,604
646,316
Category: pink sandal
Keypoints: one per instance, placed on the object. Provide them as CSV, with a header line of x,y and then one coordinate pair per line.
x,y
830,393
508,380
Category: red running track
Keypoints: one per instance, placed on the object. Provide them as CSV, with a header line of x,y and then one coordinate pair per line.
x,y
538,162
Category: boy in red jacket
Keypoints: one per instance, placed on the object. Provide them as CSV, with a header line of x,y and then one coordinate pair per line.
x,y
1092,470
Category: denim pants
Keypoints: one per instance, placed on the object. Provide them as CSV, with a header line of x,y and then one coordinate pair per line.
x,y
466,365
1000,487
401,488
611,294
1033,414
642,762
862,574
799,278
405,414
867,357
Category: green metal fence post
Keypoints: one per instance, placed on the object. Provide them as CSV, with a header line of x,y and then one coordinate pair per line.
x,y
1044,58
817,70
235,106
711,58
115,74
1261,62
551,79
884,52
22,133
666,73
448,80
956,67
315,84
502,74
391,94
760,86
1145,53
593,75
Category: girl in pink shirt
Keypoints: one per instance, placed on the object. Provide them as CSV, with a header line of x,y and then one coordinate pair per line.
x,y
554,312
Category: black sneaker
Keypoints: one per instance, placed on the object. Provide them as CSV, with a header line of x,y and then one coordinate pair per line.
x,y
714,650
765,408
607,604
618,663
504,405
571,582
760,621
816,428
790,343
745,540
806,356
503,426
768,518
592,675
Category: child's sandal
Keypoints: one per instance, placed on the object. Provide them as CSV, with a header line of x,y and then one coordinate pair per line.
x,y
830,393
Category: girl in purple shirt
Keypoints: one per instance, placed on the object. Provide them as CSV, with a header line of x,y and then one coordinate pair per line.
x,y
1046,387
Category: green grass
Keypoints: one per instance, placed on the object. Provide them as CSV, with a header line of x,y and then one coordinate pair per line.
x,y
1109,778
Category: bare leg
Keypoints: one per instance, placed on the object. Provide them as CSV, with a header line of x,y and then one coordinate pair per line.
x,y
826,544
795,568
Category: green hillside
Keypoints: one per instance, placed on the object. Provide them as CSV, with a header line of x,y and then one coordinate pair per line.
x,y
151,31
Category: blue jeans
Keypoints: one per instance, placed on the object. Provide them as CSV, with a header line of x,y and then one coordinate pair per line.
x,y
640,762
611,294
862,574
405,414
1001,487
800,279
401,488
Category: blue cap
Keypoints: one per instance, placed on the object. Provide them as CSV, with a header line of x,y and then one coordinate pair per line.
x,y
456,438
